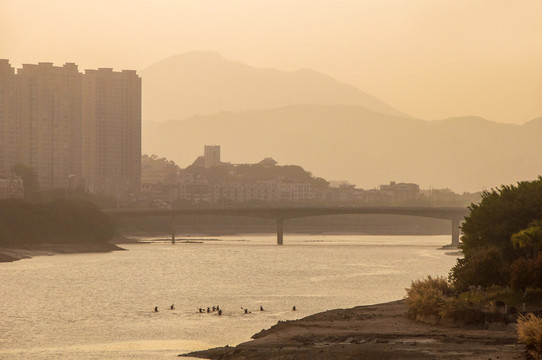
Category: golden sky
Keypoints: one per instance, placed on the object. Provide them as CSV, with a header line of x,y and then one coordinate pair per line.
x,y
431,59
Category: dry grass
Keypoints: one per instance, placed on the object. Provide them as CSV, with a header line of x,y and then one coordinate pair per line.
x,y
427,297
530,334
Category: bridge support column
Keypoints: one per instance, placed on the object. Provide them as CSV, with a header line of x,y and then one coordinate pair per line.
x,y
280,231
455,232
172,229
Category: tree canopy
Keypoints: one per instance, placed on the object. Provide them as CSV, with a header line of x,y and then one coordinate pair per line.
x,y
502,237
58,221
500,214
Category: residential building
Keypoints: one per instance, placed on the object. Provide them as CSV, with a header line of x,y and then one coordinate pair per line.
x,y
8,118
211,155
72,128
401,192
49,122
112,131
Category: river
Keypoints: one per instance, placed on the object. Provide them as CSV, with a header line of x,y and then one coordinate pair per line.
x,y
100,306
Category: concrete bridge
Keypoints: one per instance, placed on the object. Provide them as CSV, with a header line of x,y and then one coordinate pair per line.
x,y
454,214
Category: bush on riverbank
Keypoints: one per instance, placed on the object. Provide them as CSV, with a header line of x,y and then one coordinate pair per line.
x,y
530,334
59,221
428,297
434,300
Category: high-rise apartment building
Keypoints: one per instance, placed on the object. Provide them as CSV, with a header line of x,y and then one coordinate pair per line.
x,y
8,117
211,155
112,131
49,122
72,128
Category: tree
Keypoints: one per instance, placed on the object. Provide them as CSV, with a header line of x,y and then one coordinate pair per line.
x,y
484,267
499,230
529,239
30,181
502,213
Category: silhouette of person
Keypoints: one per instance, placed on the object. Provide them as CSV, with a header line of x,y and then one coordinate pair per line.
x,y
246,311
261,308
214,308
172,307
200,310
294,309
219,312
217,308
208,310
156,309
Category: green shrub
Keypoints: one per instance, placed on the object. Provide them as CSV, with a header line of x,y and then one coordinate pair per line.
x,y
464,312
520,275
435,297
530,334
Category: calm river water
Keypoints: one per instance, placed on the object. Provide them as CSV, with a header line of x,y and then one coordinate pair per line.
x,y
100,306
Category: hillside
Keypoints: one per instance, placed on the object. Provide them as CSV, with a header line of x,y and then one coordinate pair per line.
x,y
202,83
365,147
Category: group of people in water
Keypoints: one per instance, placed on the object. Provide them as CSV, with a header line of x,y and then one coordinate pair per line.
x,y
211,309
172,307
217,309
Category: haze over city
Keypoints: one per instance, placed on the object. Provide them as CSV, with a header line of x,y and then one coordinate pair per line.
x,y
430,59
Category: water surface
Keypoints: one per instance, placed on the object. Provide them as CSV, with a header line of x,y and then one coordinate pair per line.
x,y
92,306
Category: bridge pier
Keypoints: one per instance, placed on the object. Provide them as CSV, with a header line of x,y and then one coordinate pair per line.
x,y
455,232
280,231
172,229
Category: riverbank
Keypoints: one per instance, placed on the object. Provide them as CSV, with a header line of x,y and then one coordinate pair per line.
x,y
380,331
26,251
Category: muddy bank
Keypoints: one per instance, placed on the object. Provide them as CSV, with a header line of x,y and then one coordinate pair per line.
x,y
25,251
380,331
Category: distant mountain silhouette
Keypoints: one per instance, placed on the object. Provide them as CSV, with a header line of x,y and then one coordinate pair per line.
x,y
535,124
202,83
363,146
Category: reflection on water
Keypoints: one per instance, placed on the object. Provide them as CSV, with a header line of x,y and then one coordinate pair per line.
x,y
90,306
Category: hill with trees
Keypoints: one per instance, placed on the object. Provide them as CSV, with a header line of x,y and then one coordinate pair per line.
x,y
365,147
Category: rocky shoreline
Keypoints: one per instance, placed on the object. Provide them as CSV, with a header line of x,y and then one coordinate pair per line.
x,y
26,251
380,331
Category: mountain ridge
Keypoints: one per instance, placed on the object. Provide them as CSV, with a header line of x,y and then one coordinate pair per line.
x,y
204,83
363,146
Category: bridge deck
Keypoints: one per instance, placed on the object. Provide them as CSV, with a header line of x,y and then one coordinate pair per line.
x,y
455,214
297,212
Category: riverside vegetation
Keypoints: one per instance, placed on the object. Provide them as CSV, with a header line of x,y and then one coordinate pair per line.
x,y
55,226
499,279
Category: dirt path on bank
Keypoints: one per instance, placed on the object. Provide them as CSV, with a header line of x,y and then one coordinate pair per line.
x,y
371,332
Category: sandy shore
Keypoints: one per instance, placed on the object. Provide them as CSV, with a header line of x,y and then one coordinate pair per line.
x,y
372,332
25,251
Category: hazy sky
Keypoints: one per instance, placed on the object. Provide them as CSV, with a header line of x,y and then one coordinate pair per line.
x,y
428,58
